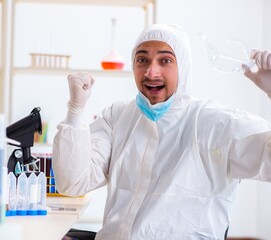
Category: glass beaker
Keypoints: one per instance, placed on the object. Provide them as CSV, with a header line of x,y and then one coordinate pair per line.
x,y
223,62
113,60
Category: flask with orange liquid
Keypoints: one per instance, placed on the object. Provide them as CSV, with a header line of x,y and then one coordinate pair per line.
x,y
113,61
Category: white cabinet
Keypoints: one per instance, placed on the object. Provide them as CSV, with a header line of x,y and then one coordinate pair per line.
x,y
11,46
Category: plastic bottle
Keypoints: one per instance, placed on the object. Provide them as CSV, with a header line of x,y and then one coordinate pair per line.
x,y
41,205
32,194
11,195
22,188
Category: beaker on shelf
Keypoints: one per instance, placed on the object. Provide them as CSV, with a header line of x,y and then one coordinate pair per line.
x,y
113,60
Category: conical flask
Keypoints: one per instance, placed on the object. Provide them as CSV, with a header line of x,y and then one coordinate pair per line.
x,y
113,61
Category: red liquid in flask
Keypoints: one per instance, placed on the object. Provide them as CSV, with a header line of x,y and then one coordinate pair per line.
x,y
113,60
112,65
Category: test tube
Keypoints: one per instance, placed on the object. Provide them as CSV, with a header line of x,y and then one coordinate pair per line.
x,y
52,180
22,194
48,173
12,196
41,205
32,193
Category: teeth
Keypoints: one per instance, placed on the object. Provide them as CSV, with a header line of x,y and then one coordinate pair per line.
x,y
154,86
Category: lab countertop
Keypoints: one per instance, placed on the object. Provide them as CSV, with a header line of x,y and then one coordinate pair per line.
x,y
63,212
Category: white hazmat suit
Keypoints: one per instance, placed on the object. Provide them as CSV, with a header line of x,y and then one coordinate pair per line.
x,y
171,179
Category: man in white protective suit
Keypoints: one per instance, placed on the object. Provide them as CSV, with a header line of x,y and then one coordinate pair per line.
x,y
172,164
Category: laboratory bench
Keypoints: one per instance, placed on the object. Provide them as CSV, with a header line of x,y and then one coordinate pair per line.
x,y
63,212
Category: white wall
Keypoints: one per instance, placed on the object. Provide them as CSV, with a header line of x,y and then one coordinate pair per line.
x,y
73,30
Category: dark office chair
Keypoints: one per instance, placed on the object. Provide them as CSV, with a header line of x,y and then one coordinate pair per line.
x,y
226,233
76,234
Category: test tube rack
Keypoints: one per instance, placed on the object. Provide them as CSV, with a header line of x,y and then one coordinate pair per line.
x,y
46,60
45,165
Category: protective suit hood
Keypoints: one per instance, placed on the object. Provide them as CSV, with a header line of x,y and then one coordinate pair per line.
x,y
176,38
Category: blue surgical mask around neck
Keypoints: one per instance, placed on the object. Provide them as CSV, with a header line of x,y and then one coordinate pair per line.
x,y
153,112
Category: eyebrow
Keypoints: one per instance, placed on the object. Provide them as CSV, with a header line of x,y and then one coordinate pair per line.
x,y
162,51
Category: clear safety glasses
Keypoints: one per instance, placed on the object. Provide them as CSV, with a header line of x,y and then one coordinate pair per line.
x,y
225,63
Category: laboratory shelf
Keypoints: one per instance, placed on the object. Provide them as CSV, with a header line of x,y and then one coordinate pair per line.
x,y
123,3
66,71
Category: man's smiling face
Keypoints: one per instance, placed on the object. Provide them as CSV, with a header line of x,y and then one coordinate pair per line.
x,y
155,71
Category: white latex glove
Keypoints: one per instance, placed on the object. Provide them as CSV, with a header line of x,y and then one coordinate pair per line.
x,y
262,77
80,85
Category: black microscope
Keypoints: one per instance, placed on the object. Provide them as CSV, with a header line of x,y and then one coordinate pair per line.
x,y
23,131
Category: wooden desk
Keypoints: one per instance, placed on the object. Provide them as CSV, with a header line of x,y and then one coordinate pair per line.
x,y
53,226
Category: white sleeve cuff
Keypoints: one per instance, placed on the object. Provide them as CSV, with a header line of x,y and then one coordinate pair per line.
x,y
75,116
